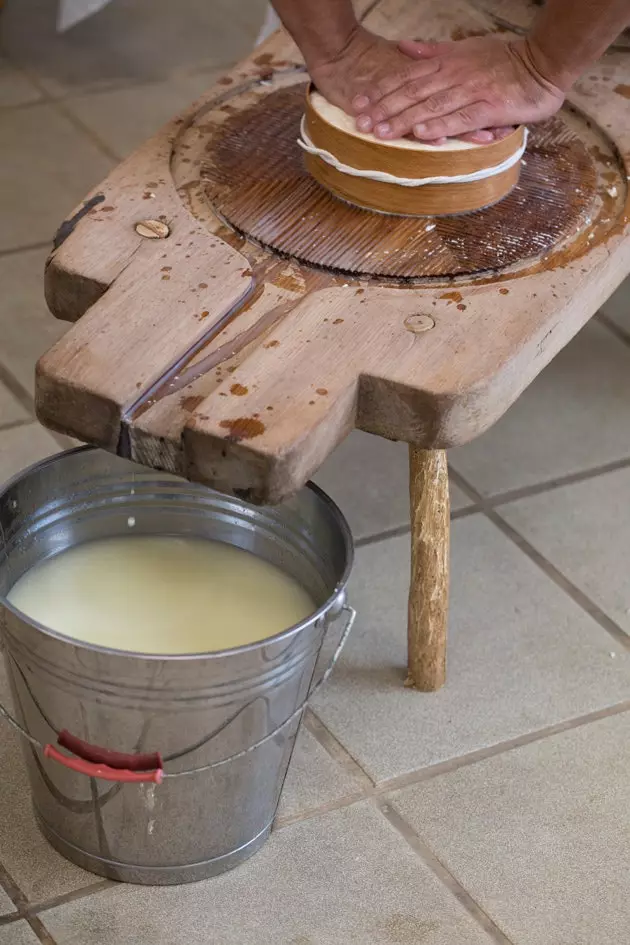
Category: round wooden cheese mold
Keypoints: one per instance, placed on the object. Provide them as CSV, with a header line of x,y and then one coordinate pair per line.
x,y
406,160
239,162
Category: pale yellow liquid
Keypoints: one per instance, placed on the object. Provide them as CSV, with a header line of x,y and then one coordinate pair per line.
x,y
161,595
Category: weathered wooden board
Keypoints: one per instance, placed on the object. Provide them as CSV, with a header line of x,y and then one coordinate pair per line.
x,y
211,355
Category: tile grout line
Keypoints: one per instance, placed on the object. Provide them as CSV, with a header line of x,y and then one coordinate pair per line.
x,y
619,333
26,401
550,570
29,247
85,892
15,388
40,930
442,873
503,498
451,765
15,424
58,104
335,749
549,485
97,141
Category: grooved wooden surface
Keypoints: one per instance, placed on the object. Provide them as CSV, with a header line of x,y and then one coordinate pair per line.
x,y
284,208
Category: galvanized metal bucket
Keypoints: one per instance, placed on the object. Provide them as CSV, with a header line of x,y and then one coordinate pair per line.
x,y
172,765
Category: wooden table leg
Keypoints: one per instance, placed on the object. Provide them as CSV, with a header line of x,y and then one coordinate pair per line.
x,y
428,594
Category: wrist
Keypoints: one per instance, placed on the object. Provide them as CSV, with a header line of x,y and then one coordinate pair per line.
x,y
325,49
555,71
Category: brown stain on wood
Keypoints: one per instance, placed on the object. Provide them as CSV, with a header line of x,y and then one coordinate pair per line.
x,y
286,280
459,33
286,210
623,90
452,296
190,404
322,391
243,428
504,291
238,390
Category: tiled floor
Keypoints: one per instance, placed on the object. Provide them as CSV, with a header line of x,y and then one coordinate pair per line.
x,y
495,811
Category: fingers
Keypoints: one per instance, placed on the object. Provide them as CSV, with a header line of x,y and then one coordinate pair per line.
x,y
459,122
417,50
441,103
502,132
432,90
411,74
483,136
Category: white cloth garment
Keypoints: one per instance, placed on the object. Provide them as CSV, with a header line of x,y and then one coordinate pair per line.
x,y
71,12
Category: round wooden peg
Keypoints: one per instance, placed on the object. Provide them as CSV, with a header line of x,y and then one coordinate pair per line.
x,y
152,229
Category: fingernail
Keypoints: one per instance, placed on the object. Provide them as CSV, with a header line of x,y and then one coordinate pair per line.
x,y
484,136
364,123
383,128
361,102
419,129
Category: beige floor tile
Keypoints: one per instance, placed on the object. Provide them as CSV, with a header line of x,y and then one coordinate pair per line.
x,y
539,835
313,779
134,41
22,446
27,328
6,906
522,656
15,87
574,416
617,307
584,529
349,878
368,477
11,411
18,933
124,118
47,168
39,871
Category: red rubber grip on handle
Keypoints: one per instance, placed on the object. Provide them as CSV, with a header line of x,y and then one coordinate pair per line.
x,y
103,756
104,772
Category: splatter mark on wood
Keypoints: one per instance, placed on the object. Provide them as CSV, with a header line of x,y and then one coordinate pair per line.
x,y
243,428
452,296
190,404
238,390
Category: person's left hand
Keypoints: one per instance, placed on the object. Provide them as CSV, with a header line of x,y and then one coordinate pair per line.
x,y
473,84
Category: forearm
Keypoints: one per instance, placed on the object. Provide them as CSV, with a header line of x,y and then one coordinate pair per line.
x,y
322,29
569,35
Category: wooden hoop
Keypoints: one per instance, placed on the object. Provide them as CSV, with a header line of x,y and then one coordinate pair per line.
x,y
429,199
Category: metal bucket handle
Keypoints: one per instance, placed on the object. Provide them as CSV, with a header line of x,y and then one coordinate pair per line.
x,y
109,765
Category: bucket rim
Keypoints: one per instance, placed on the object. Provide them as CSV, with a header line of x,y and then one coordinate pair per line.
x,y
280,637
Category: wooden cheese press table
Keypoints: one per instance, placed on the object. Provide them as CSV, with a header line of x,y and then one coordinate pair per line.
x,y
234,322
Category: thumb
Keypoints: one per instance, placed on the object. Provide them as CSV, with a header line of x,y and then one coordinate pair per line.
x,y
419,50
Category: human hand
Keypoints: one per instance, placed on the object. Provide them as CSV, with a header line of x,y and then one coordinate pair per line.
x,y
453,89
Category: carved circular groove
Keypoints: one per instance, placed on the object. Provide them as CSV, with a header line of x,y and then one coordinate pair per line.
x,y
253,176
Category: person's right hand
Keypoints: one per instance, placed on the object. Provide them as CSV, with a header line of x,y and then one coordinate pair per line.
x,y
365,62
